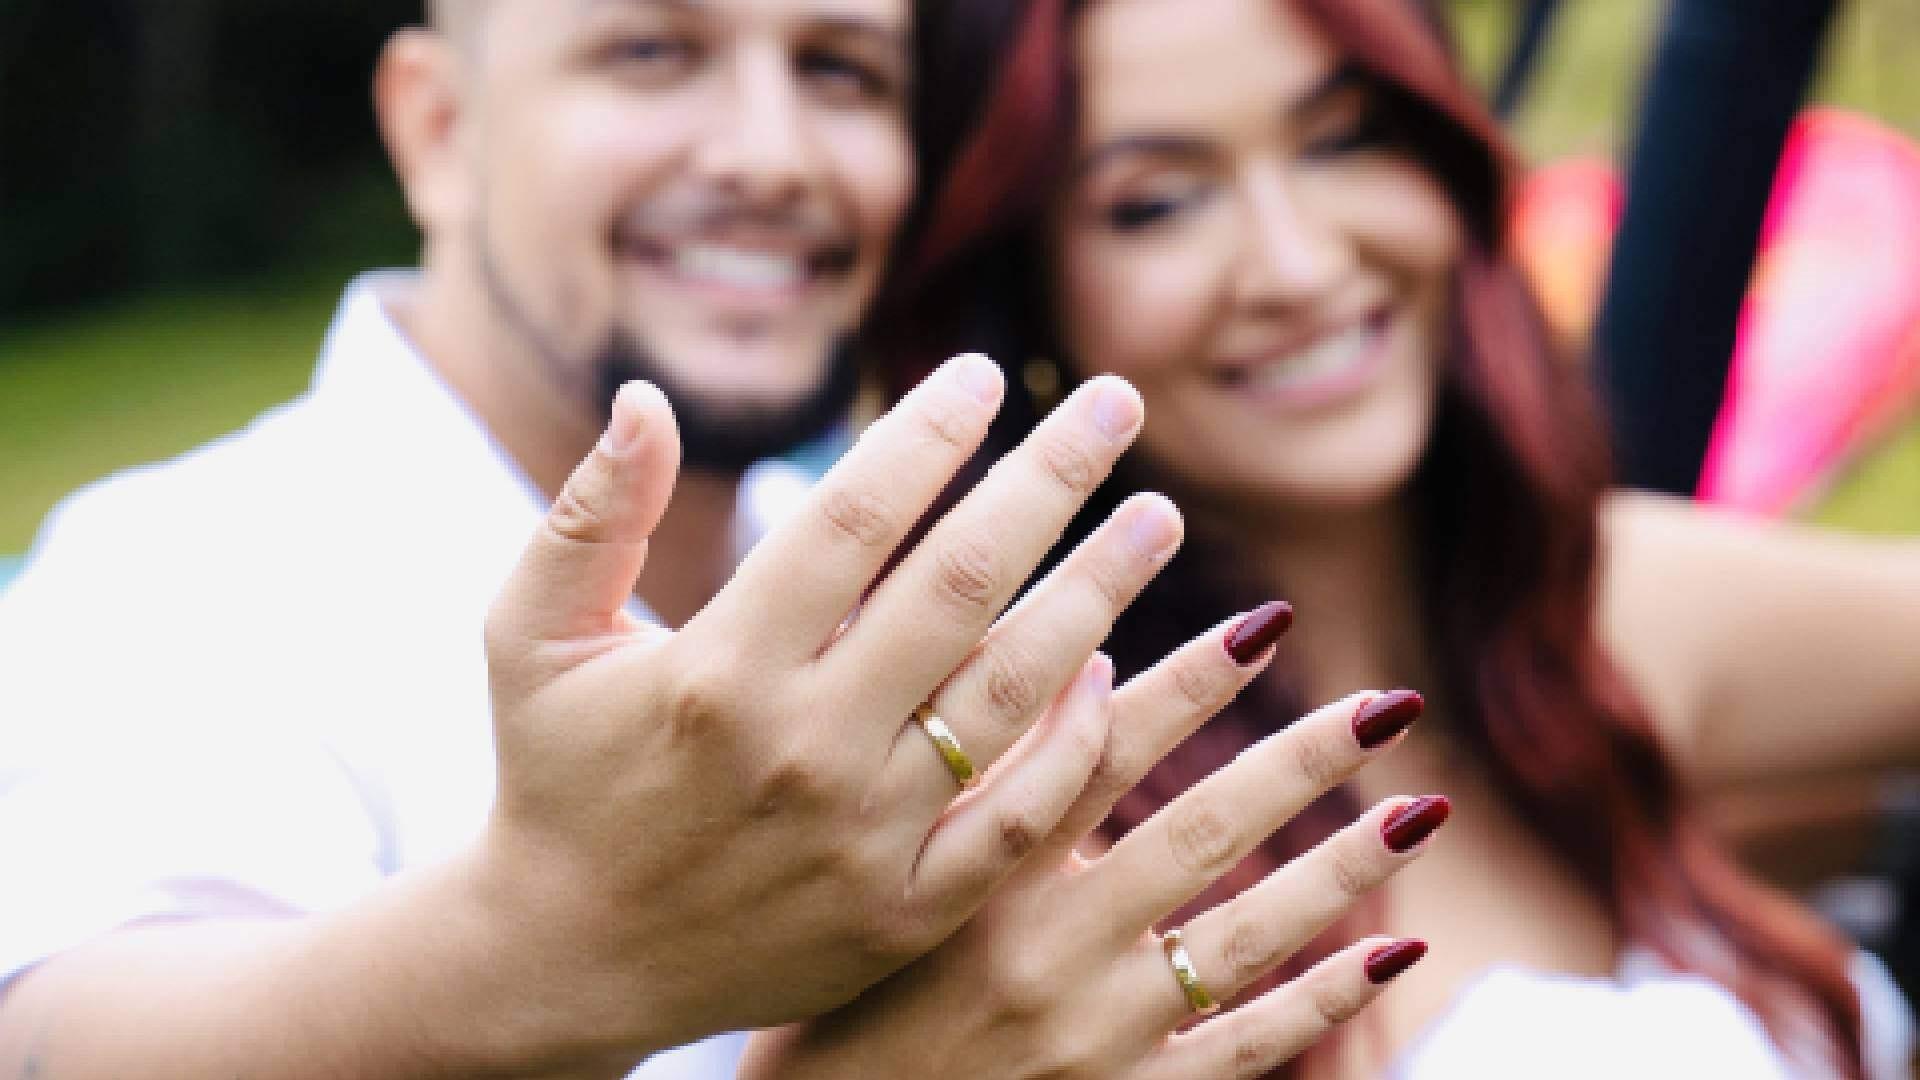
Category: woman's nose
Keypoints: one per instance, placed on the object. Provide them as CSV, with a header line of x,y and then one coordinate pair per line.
x,y
1291,253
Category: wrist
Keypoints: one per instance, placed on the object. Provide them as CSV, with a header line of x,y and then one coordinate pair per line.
x,y
550,993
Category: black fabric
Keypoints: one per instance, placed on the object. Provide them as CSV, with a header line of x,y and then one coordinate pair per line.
x,y
1727,78
1531,31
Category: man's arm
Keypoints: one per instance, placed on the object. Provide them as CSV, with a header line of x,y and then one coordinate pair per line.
x,y
423,978
679,814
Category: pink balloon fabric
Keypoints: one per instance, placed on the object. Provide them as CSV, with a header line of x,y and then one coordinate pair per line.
x,y
1827,358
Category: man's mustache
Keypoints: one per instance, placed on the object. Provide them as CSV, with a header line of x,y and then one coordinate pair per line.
x,y
804,221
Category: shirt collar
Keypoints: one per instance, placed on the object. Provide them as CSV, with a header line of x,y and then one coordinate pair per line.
x,y
369,366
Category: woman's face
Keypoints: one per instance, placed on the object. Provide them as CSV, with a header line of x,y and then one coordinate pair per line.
x,y
1244,241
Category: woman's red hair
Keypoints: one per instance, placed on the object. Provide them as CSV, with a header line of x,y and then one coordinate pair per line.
x,y
1506,499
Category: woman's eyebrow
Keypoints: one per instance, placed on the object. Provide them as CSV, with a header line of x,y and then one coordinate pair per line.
x,y
1343,78
1178,147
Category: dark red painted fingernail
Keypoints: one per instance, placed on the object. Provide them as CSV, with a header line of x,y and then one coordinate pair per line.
x,y
1388,962
1385,716
1258,631
1415,822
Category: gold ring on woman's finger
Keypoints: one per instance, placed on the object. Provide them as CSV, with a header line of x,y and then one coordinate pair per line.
x,y
1188,976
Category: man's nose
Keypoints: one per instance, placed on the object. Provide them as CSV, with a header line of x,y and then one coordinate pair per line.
x,y
759,141
1291,255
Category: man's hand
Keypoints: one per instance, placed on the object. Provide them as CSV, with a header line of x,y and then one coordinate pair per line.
x,y
735,825
739,824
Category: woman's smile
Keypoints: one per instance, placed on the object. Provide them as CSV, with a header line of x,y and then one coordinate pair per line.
x,y
1334,367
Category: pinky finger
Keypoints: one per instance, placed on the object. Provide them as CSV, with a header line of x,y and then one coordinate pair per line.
x,y
1278,1026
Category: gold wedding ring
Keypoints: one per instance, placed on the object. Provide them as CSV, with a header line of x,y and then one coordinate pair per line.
x,y
1188,976
958,763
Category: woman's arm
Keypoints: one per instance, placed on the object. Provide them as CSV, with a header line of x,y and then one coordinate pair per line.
x,y
1764,650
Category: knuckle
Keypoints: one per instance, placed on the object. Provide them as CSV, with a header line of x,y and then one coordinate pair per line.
x,y
1353,874
1199,684
859,516
1012,689
1113,585
1024,983
578,517
701,693
783,783
1015,836
1248,951
1254,1053
1335,1003
896,932
1203,840
1318,762
1069,465
946,424
966,575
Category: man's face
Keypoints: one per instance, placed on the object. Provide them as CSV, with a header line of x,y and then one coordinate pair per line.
x,y
697,192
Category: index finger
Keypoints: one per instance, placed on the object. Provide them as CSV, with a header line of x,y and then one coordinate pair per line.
x,y
804,578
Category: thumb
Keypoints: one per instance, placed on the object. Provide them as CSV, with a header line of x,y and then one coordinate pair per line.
x,y
578,572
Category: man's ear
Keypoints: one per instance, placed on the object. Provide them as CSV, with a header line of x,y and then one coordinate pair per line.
x,y
420,99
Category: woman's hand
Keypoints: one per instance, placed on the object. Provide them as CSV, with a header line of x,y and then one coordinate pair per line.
x,y
1061,974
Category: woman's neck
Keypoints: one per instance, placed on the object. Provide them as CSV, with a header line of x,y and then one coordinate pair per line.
x,y
1351,578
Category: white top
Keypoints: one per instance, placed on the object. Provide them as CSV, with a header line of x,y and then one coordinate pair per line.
x,y
251,680
1646,1023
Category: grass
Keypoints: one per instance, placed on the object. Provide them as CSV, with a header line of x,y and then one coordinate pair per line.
x,y
94,390
101,389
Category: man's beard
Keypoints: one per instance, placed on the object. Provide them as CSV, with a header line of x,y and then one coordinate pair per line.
x,y
716,437
725,437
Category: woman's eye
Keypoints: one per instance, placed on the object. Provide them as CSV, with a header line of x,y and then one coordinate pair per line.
x,y
1135,214
1369,131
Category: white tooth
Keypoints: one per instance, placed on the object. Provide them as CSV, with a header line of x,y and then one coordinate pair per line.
x,y
1327,357
737,268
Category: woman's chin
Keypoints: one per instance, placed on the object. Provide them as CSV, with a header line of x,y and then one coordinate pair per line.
x,y
1364,467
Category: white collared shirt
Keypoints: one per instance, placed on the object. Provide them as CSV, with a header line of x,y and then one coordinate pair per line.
x,y
251,680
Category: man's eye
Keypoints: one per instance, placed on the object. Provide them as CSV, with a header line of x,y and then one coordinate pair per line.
x,y
846,76
652,52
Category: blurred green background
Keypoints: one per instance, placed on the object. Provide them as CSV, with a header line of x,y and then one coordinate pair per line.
x,y
184,187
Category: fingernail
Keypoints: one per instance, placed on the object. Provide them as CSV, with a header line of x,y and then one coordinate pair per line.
x,y
980,375
1154,531
1258,631
1385,716
1388,962
1415,821
1116,410
623,428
